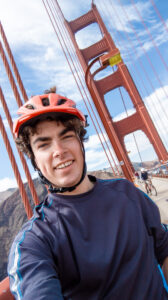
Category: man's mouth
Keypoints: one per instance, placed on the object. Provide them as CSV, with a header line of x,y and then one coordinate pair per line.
x,y
64,165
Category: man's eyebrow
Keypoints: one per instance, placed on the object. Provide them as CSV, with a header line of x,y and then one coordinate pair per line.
x,y
64,131
47,138
41,139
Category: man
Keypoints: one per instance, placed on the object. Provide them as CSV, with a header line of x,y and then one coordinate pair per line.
x,y
90,239
144,177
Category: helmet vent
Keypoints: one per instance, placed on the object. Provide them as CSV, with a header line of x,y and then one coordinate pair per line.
x,y
45,102
61,101
29,106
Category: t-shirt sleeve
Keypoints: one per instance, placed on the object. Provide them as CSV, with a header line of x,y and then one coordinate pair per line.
x,y
154,226
32,270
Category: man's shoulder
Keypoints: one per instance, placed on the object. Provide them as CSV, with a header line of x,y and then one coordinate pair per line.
x,y
116,183
27,227
116,180
122,189
31,236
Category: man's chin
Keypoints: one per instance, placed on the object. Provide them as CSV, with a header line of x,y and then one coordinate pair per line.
x,y
65,184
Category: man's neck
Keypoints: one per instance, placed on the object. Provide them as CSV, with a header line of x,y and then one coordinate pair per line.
x,y
85,186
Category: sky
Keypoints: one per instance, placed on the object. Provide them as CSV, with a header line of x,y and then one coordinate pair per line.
x,y
139,34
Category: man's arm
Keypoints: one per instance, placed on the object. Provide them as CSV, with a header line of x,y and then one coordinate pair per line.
x,y
165,269
32,270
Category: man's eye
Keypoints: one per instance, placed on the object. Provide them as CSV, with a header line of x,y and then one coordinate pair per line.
x,y
42,145
68,136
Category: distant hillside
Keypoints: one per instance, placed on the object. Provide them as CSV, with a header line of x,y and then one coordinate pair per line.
x,y
4,195
137,165
146,164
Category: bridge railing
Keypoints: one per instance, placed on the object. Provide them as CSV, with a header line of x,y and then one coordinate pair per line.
x,y
160,175
5,293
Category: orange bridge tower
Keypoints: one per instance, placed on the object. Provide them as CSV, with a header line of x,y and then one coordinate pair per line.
x,y
106,52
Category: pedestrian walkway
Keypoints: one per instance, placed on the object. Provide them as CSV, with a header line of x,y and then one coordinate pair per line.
x,y
161,199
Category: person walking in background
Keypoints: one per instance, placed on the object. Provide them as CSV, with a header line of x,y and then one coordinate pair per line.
x,y
144,177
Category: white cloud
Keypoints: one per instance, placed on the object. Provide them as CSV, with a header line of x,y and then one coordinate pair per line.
x,y
124,115
49,55
96,160
34,175
74,9
6,124
157,104
7,183
121,16
95,155
141,140
94,141
29,20
88,36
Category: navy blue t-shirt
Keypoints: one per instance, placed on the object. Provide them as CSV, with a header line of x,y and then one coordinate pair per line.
x,y
104,244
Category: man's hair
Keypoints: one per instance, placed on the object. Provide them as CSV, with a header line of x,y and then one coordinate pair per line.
x,y
69,121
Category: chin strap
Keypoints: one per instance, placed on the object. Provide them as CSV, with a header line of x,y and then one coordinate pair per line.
x,y
52,189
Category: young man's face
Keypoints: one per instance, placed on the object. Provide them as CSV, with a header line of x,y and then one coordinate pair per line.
x,y
58,153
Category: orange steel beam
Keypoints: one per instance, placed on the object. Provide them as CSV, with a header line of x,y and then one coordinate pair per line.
x,y
105,50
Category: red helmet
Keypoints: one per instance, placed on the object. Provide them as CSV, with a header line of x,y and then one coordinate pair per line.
x,y
45,104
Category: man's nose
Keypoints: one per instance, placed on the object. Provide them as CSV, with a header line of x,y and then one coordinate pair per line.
x,y
58,149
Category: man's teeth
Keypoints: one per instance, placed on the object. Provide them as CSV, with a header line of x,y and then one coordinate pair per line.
x,y
68,163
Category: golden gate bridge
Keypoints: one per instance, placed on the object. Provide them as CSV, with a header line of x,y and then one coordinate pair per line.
x,y
97,69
